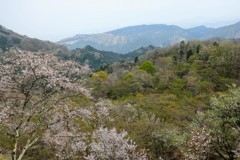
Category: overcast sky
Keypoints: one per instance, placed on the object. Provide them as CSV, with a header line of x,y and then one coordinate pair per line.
x,y
57,19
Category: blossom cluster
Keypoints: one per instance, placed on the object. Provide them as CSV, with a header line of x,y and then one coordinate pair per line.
x,y
199,144
27,70
109,144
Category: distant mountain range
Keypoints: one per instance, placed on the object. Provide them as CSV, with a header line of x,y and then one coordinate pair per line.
x,y
122,40
87,55
127,39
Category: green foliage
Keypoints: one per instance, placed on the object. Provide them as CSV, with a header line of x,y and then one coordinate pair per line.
x,y
128,85
177,86
215,44
226,108
158,98
172,95
100,76
148,67
222,121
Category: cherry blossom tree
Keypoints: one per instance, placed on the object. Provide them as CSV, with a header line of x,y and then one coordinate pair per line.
x,y
32,85
198,145
66,137
69,141
66,141
109,144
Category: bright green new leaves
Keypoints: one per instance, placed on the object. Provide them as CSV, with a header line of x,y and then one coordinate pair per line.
x,y
148,67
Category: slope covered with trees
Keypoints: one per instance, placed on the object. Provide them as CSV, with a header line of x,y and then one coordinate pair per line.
x,y
176,103
10,39
179,101
97,59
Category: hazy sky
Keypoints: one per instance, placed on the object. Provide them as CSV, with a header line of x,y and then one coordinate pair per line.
x,y
57,19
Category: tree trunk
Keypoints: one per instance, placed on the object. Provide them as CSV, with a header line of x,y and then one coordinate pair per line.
x,y
27,146
14,152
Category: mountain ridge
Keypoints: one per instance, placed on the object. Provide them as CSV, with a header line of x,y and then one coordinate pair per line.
x,y
9,38
87,55
124,40
98,59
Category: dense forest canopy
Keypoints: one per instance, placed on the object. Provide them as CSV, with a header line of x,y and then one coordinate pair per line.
x,y
180,102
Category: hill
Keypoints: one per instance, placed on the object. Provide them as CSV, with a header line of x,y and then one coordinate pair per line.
x,y
10,39
161,101
98,59
87,55
127,39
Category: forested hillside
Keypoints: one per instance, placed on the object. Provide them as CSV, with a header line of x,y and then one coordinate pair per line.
x,y
180,102
138,80
10,39
174,103
97,59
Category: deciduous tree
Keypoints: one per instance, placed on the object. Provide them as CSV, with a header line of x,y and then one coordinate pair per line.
x,y
31,86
